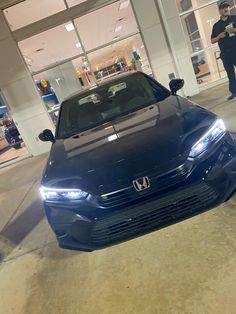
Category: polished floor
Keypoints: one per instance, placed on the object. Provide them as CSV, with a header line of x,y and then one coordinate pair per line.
x,y
187,268
11,153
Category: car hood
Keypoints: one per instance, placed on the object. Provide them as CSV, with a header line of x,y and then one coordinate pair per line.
x,y
113,155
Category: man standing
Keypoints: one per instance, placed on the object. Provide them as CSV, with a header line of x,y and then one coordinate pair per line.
x,y
224,33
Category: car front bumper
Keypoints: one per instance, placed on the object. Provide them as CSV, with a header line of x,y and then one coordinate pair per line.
x,y
210,182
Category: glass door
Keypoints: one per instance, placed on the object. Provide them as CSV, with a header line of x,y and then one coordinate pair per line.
x,y
12,145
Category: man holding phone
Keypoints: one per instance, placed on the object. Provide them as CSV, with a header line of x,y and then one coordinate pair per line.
x,y
224,33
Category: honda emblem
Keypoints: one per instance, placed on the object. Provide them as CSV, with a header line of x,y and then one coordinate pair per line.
x,y
141,184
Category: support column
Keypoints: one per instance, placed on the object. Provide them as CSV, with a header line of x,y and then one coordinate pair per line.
x,y
164,39
22,98
151,28
178,44
63,79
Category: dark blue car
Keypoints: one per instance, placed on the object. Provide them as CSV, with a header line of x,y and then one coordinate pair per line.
x,y
130,157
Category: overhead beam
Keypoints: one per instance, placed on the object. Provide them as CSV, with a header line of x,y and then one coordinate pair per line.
x,y
8,3
60,18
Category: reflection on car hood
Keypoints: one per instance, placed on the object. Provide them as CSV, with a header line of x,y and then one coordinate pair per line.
x,y
111,156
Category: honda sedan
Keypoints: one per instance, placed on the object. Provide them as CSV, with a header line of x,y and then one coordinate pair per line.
x,y
130,157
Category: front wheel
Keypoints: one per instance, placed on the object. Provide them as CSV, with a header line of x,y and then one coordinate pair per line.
x,y
17,146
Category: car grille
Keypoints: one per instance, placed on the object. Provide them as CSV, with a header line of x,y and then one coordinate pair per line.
x,y
158,183
153,215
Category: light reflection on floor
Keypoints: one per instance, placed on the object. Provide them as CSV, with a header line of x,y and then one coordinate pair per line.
x,y
11,153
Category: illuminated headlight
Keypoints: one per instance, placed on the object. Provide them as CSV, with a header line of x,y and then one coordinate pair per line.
x,y
212,135
50,194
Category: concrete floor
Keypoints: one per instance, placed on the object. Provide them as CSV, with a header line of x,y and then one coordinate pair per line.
x,y
189,267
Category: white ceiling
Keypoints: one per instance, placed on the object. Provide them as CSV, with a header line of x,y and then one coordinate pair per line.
x,y
95,29
7,3
49,47
30,11
98,28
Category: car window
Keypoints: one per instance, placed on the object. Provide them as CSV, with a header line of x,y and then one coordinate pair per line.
x,y
108,102
157,90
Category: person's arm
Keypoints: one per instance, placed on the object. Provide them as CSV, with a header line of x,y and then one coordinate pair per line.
x,y
216,36
215,39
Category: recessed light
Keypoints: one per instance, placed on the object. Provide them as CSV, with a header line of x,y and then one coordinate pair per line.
x,y
78,45
69,27
124,5
118,28
115,38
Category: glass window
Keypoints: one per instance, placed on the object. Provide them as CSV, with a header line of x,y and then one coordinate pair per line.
x,y
193,31
198,25
50,47
101,105
11,143
208,66
56,84
120,57
30,11
205,58
106,25
60,82
185,5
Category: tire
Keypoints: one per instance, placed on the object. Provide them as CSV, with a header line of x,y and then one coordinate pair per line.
x,y
17,146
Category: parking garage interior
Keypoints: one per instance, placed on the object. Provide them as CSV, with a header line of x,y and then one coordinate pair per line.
x,y
51,49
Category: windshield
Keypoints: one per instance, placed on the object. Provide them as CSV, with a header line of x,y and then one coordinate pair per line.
x,y
108,102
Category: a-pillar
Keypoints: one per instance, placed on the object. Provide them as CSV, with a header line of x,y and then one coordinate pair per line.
x,y
163,35
20,93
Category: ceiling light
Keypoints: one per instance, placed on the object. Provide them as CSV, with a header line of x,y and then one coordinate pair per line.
x,y
112,138
78,45
69,27
118,28
116,37
124,5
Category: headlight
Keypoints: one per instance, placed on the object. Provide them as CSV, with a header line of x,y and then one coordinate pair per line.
x,y
51,194
212,135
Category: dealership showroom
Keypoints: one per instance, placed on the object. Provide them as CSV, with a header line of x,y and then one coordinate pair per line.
x,y
117,157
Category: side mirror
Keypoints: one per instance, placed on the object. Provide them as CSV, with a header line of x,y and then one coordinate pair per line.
x,y
176,85
47,136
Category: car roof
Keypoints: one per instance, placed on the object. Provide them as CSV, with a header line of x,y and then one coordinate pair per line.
x,y
97,85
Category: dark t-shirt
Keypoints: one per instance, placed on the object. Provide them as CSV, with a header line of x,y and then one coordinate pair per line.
x,y
227,44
